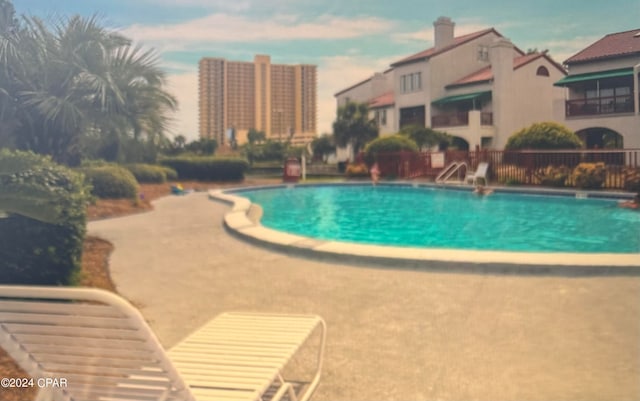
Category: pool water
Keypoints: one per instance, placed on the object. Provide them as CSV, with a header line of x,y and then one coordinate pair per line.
x,y
440,218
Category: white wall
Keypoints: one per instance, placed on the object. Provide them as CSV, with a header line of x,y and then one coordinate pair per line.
x,y
535,99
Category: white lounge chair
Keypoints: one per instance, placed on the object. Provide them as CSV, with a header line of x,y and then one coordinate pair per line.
x,y
93,345
481,173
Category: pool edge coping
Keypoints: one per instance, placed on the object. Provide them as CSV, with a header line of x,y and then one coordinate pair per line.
x,y
238,222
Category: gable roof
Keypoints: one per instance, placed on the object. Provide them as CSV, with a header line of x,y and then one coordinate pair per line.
x,y
428,53
486,74
613,45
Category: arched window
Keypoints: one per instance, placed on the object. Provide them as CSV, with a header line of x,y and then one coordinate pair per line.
x,y
542,71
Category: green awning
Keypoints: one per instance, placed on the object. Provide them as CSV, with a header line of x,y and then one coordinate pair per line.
x,y
591,76
460,98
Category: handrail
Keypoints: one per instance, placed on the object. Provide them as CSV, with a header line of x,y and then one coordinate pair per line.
x,y
449,170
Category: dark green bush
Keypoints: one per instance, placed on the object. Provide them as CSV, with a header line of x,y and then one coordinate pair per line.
x,y
546,135
42,233
207,168
169,173
111,181
147,173
387,144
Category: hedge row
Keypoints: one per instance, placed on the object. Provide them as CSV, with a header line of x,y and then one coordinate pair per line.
x,y
151,173
207,168
42,233
110,181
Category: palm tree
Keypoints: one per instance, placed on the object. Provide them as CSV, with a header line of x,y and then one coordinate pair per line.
x,y
53,77
76,79
353,126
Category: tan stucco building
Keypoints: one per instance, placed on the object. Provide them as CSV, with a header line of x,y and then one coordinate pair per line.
x,y
477,87
280,100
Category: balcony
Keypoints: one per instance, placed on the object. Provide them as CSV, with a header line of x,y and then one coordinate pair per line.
x,y
599,106
460,119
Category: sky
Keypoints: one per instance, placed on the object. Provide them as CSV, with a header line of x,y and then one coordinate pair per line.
x,y
348,40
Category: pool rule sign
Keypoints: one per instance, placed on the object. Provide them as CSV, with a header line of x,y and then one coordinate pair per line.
x,y
292,170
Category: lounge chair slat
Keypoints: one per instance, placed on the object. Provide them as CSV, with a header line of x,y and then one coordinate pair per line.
x,y
65,320
62,308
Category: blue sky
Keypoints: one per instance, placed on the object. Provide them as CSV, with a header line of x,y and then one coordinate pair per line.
x,y
347,39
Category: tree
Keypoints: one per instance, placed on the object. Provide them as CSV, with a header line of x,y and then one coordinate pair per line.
x,y
254,136
388,144
179,141
8,20
72,84
202,146
545,135
323,146
353,126
425,137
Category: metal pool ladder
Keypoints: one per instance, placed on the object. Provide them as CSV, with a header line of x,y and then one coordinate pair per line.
x,y
452,168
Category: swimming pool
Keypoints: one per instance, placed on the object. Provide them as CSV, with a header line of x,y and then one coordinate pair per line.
x,y
429,217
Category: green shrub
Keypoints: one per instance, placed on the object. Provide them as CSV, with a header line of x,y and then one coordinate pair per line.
x,y
207,168
41,235
111,181
388,144
589,175
169,173
553,176
357,170
147,173
546,135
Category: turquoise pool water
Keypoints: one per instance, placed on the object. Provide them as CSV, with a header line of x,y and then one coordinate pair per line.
x,y
440,218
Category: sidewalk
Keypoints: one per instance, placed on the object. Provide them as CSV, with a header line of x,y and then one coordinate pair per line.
x,y
393,334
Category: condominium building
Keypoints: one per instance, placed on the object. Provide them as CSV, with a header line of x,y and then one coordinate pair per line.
x,y
236,96
602,104
479,87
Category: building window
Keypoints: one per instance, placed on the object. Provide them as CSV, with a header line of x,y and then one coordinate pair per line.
x,y
381,117
411,82
542,71
416,81
403,84
483,53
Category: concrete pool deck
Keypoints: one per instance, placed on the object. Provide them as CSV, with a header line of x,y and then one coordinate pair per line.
x,y
393,333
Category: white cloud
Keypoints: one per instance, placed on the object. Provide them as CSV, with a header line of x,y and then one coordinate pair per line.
x,y
228,28
426,34
226,5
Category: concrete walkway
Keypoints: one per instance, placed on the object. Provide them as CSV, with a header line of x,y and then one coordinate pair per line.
x,y
394,334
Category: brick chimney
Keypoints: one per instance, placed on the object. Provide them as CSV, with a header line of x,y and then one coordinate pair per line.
x,y
443,32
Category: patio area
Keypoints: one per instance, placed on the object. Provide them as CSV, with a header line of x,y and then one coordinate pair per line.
x,y
393,334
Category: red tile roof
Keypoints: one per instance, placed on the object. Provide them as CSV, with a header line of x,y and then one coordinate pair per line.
x,y
425,54
486,74
386,99
613,45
